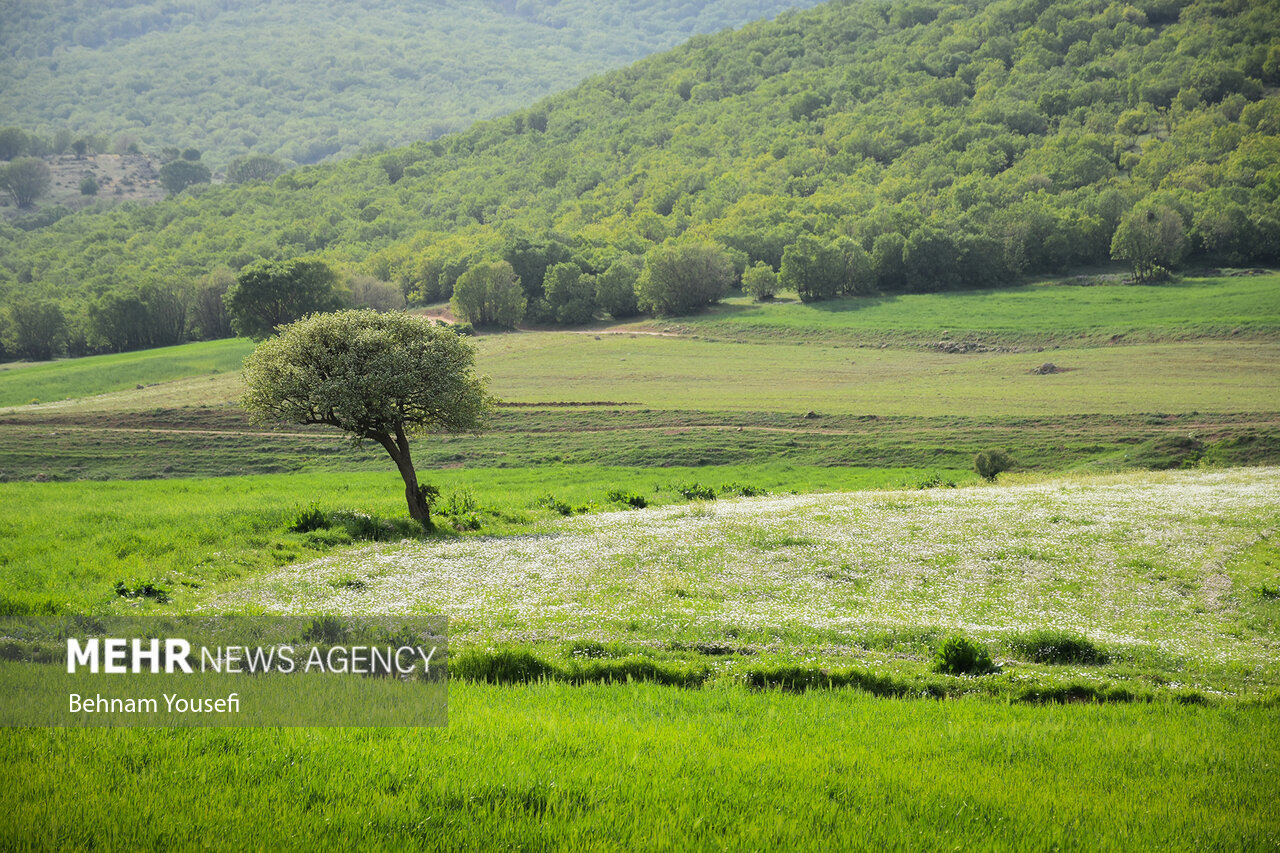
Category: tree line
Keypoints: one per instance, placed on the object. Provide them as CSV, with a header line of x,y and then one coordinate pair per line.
x,y
857,147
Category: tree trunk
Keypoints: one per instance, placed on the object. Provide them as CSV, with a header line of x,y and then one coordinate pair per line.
x,y
398,448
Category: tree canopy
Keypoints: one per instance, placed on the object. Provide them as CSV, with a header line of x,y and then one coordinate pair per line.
x,y
373,73
268,294
379,377
946,146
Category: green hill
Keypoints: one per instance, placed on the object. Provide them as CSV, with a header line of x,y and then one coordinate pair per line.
x,y
929,146
304,79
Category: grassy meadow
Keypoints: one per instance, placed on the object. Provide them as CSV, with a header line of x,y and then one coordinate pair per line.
x,y
1065,313
640,766
655,677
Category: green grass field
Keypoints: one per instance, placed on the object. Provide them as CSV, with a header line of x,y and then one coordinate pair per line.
x,y
657,768
188,533
796,623
1067,314
83,377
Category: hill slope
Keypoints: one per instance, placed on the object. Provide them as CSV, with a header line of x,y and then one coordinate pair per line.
x,y
304,79
948,145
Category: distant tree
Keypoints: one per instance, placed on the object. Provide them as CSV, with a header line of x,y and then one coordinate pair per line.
x,y
177,175
1152,237
989,464
393,164
529,260
191,155
371,292
34,329
806,104
812,268
26,179
859,274
886,260
489,295
760,282
255,167
61,141
570,293
13,142
931,260
118,320
209,317
88,185
79,147
616,287
126,143
268,294
150,314
679,278
379,377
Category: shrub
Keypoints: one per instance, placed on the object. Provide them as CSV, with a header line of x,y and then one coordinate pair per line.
x,y
309,518
743,489
696,491
991,463
143,589
325,629
934,480
459,503
553,503
760,282
961,656
631,499
1054,646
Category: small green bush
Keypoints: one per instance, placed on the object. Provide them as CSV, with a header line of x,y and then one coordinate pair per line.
x,y
991,463
143,589
696,492
325,629
934,480
631,499
309,518
554,504
961,656
1054,646
743,490
460,502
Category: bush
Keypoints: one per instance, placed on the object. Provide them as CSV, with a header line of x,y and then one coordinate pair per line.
x,y
1054,646
743,490
361,525
310,518
553,503
934,480
459,503
991,463
961,656
325,629
760,282
143,589
632,499
696,492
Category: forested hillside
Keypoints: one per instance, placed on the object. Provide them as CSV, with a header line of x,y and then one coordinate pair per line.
x,y
858,146
303,79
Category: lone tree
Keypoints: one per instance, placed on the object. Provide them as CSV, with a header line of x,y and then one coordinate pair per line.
x,y
26,179
1152,237
379,377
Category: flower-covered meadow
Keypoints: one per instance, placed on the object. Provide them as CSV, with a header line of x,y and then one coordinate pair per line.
x,y
1139,562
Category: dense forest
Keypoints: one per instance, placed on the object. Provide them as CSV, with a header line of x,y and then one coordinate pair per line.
x,y
304,80
858,146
